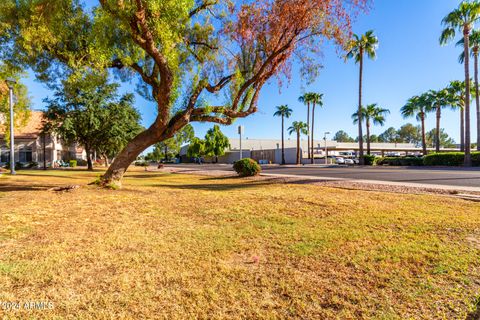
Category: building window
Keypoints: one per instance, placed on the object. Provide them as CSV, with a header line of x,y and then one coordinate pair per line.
x,y
25,155
4,155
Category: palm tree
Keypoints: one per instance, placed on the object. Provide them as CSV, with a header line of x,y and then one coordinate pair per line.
x,y
359,46
438,100
418,107
456,90
307,99
316,99
463,19
298,127
474,42
372,113
285,112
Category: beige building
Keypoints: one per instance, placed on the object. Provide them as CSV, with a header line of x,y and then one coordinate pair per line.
x,y
31,146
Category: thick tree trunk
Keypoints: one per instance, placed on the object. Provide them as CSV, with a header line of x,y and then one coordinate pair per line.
x,y
462,129
308,128
477,97
313,126
123,160
283,141
298,147
89,161
368,136
360,131
424,138
466,36
437,130
105,158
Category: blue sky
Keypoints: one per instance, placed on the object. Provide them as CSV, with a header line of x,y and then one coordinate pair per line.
x,y
410,61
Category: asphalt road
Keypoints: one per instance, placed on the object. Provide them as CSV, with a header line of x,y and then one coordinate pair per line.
x,y
466,177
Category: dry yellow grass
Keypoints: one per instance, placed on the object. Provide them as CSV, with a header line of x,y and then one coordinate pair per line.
x,y
180,246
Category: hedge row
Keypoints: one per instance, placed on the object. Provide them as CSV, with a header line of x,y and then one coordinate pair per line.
x,y
400,161
450,159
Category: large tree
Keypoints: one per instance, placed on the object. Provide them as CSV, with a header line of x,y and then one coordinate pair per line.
x,y
408,133
171,146
462,19
299,128
316,100
445,141
94,116
372,113
456,91
418,107
306,99
216,142
390,135
184,53
474,42
361,45
342,136
285,112
439,99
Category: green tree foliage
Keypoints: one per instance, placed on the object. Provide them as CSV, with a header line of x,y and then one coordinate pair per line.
x,y
390,136
372,113
408,133
170,148
299,128
21,107
445,140
93,116
283,111
342,136
183,52
216,142
196,148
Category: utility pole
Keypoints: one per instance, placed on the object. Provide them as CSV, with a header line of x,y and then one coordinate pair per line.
x,y
10,83
241,130
326,150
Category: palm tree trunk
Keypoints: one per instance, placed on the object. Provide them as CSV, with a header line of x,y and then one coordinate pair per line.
x,y
437,130
466,37
462,129
308,128
368,135
313,126
298,147
424,139
283,142
360,132
477,98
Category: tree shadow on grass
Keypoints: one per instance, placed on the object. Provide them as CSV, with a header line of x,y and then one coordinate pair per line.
x,y
214,187
13,188
475,314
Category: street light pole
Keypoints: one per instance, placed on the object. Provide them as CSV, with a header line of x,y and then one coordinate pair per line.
x,y
326,150
240,132
10,83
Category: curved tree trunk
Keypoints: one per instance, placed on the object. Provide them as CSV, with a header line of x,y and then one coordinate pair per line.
x,y
283,140
368,135
360,131
477,97
437,130
298,147
313,126
466,36
308,128
424,139
131,151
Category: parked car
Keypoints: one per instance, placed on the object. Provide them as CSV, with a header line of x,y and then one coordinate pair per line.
x,y
349,162
356,160
339,160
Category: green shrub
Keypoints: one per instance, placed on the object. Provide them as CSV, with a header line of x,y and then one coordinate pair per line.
x,y
400,161
369,160
444,159
72,163
247,167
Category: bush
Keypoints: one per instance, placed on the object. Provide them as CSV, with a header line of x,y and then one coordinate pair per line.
x,y
247,167
450,159
72,163
81,162
369,160
400,161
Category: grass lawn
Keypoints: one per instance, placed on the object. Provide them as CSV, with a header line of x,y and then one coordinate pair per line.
x,y
182,246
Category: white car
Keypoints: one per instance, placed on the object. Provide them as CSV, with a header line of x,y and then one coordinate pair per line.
x,y
349,162
339,160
